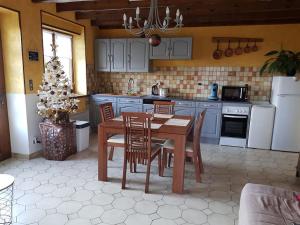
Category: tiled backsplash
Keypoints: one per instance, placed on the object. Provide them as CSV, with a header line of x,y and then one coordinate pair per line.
x,y
183,81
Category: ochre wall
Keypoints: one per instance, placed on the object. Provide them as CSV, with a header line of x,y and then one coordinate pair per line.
x,y
275,36
30,16
12,51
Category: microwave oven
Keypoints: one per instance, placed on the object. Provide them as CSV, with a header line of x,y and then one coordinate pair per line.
x,y
235,93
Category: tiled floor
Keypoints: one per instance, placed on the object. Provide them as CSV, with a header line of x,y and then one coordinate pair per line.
x,y
57,193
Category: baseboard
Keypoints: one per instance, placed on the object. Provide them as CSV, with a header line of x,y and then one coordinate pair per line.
x,y
28,157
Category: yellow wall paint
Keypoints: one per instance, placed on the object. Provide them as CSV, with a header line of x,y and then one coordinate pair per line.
x,y
12,51
32,38
274,35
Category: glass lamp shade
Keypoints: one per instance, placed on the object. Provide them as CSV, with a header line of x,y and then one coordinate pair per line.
x,y
154,40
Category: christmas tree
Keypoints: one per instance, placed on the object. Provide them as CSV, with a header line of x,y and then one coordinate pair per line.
x,y
56,97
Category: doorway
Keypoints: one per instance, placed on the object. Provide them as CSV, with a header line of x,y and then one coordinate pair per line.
x,y
5,148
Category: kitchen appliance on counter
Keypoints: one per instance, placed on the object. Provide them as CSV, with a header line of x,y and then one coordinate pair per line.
x,y
261,126
155,89
235,93
286,98
213,92
163,92
234,125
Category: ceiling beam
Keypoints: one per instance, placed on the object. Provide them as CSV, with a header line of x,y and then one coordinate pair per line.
x,y
248,18
104,5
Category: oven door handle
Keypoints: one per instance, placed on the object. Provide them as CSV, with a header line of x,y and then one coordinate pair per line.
x,y
237,117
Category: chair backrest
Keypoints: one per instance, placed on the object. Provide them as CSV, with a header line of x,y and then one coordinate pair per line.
x,y
163,107
106,111
197,130
137,130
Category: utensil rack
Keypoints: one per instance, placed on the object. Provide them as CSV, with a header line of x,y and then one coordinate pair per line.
x,y
236,39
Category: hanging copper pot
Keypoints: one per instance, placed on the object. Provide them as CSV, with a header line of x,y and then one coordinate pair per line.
x,y
239,49
229,51
247,49
217,54
254,47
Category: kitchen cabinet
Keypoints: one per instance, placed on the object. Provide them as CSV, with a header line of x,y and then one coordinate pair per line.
x,y
184,111
129,108
122,55
149,108
181,48
212,121
129,105
102,55
118,55
173,48
137,55
95,102
162,51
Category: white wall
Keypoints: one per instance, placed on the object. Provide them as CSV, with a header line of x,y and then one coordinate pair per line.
x,y
17,117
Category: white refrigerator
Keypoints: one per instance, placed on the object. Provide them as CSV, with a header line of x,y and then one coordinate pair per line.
x,y
285,97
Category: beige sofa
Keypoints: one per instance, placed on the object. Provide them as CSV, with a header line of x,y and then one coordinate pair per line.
x,y
266,205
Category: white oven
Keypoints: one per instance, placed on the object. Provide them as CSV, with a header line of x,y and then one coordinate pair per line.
x,y
234,125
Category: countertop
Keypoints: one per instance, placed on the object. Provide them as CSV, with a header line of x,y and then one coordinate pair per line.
x,y
197,99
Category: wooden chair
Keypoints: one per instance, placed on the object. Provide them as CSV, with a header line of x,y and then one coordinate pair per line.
x,y
139,148
192,149
163,107
107,113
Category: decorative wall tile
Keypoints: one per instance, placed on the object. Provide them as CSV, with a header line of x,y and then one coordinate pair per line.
x,y
183,81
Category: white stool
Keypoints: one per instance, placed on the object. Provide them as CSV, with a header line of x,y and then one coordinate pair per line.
x,y
6,198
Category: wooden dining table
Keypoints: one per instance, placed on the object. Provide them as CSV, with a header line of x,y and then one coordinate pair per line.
x,y
175,132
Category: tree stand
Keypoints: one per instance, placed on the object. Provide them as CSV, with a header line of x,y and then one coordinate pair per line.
x,y
59,140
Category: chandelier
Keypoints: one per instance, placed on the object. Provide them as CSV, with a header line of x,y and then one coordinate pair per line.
x,y
153,23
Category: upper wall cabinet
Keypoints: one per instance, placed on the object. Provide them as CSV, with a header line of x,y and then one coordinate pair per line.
x,y
162,51
118,55
102,54
137,55
172,48
122,55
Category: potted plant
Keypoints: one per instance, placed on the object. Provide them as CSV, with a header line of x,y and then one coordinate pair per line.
x,y
284,62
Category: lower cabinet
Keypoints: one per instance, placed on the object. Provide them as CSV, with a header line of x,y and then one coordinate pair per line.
x,y
95,111
149,108
129,108
212,123
184,111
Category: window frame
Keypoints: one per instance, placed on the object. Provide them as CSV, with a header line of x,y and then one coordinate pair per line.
x,y
53,30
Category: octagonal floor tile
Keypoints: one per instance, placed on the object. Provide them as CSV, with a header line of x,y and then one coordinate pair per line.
x,y
123,203
79,222
48,203
163,221
103,199
194,216
69,207
31,216
169,212
91,211
138,219
146,207
57,219
82,195
114,216
196,203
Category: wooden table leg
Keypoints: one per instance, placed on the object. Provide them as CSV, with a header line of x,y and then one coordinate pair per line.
x,y
102,154
179,163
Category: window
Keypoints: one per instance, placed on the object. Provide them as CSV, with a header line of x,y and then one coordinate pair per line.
x,y
63,50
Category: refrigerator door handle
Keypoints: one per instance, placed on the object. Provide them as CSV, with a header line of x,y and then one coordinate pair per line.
x,y
287,95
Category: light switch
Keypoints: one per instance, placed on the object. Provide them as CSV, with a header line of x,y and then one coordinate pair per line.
x,y
31,85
